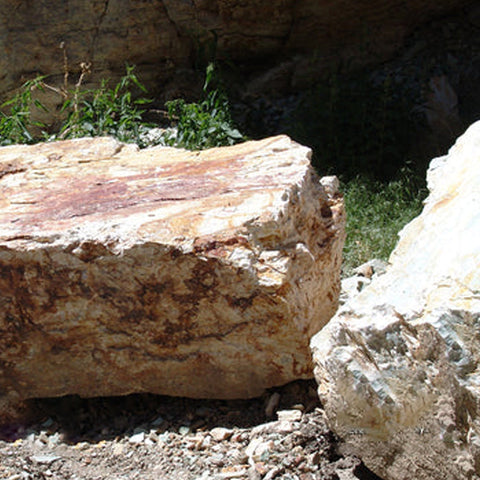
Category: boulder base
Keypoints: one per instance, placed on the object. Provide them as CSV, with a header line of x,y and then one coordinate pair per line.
x,y
398,365
199,274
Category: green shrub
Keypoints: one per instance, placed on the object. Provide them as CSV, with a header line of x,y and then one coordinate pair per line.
x,y
205,124
15,117
102,111
106,111
116,112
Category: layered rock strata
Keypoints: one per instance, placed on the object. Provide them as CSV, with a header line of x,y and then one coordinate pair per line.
x,y
199,274
398,365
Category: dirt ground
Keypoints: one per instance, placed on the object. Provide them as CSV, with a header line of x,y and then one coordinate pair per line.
x,y
281,435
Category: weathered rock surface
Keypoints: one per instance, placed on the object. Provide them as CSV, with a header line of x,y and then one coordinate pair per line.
x,y
200,274
398,365
163,38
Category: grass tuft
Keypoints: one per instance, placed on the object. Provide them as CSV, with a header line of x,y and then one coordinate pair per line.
x,y
376,212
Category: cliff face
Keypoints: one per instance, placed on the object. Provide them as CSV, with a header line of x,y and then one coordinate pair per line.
x,y
167,38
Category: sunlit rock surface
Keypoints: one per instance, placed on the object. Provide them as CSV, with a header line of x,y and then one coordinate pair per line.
x,y
398,366
200,274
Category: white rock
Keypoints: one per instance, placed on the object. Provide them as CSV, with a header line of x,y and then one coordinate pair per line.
x,y
45,459
282,427
220,434
137,438
398,366
289,415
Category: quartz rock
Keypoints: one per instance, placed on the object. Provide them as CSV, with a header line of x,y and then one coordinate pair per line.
x,y
198,274
398,365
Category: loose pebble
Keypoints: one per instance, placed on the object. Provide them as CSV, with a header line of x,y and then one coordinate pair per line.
x,y
184,430
220,434
229,446
44,459
272,404
289,415
137,438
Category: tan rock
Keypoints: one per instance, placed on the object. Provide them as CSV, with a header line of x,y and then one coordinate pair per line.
x,y
398,365
200,274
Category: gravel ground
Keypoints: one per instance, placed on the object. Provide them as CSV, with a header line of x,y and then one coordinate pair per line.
x,y
282,435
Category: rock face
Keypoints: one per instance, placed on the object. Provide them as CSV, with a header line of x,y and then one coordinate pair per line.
x,y
398,366
163,38
199,274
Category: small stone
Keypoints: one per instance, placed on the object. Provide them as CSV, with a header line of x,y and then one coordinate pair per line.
x,y
44,459
272,404
252,446
273,473
315,458
165,438
371,268
283,426
237,457
18,476
253,474
331,184
220,434
205,442
261,468
137,438
118,449
290,415
240,437
55,439
261,451
227,474
184,430
217,459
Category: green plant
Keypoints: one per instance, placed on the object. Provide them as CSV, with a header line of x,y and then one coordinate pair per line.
x,y
376,212
105,111
15,117
207,123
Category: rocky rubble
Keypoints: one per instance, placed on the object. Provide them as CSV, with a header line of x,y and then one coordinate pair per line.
x,y
199,274
397,366
281,435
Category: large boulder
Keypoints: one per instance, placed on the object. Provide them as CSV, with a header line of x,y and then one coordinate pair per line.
x,y
165,38
398,365
199,274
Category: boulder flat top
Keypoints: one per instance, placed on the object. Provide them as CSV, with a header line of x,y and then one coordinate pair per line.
x,y
85,187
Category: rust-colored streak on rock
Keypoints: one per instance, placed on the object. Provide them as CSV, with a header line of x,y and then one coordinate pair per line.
x,y
201,274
